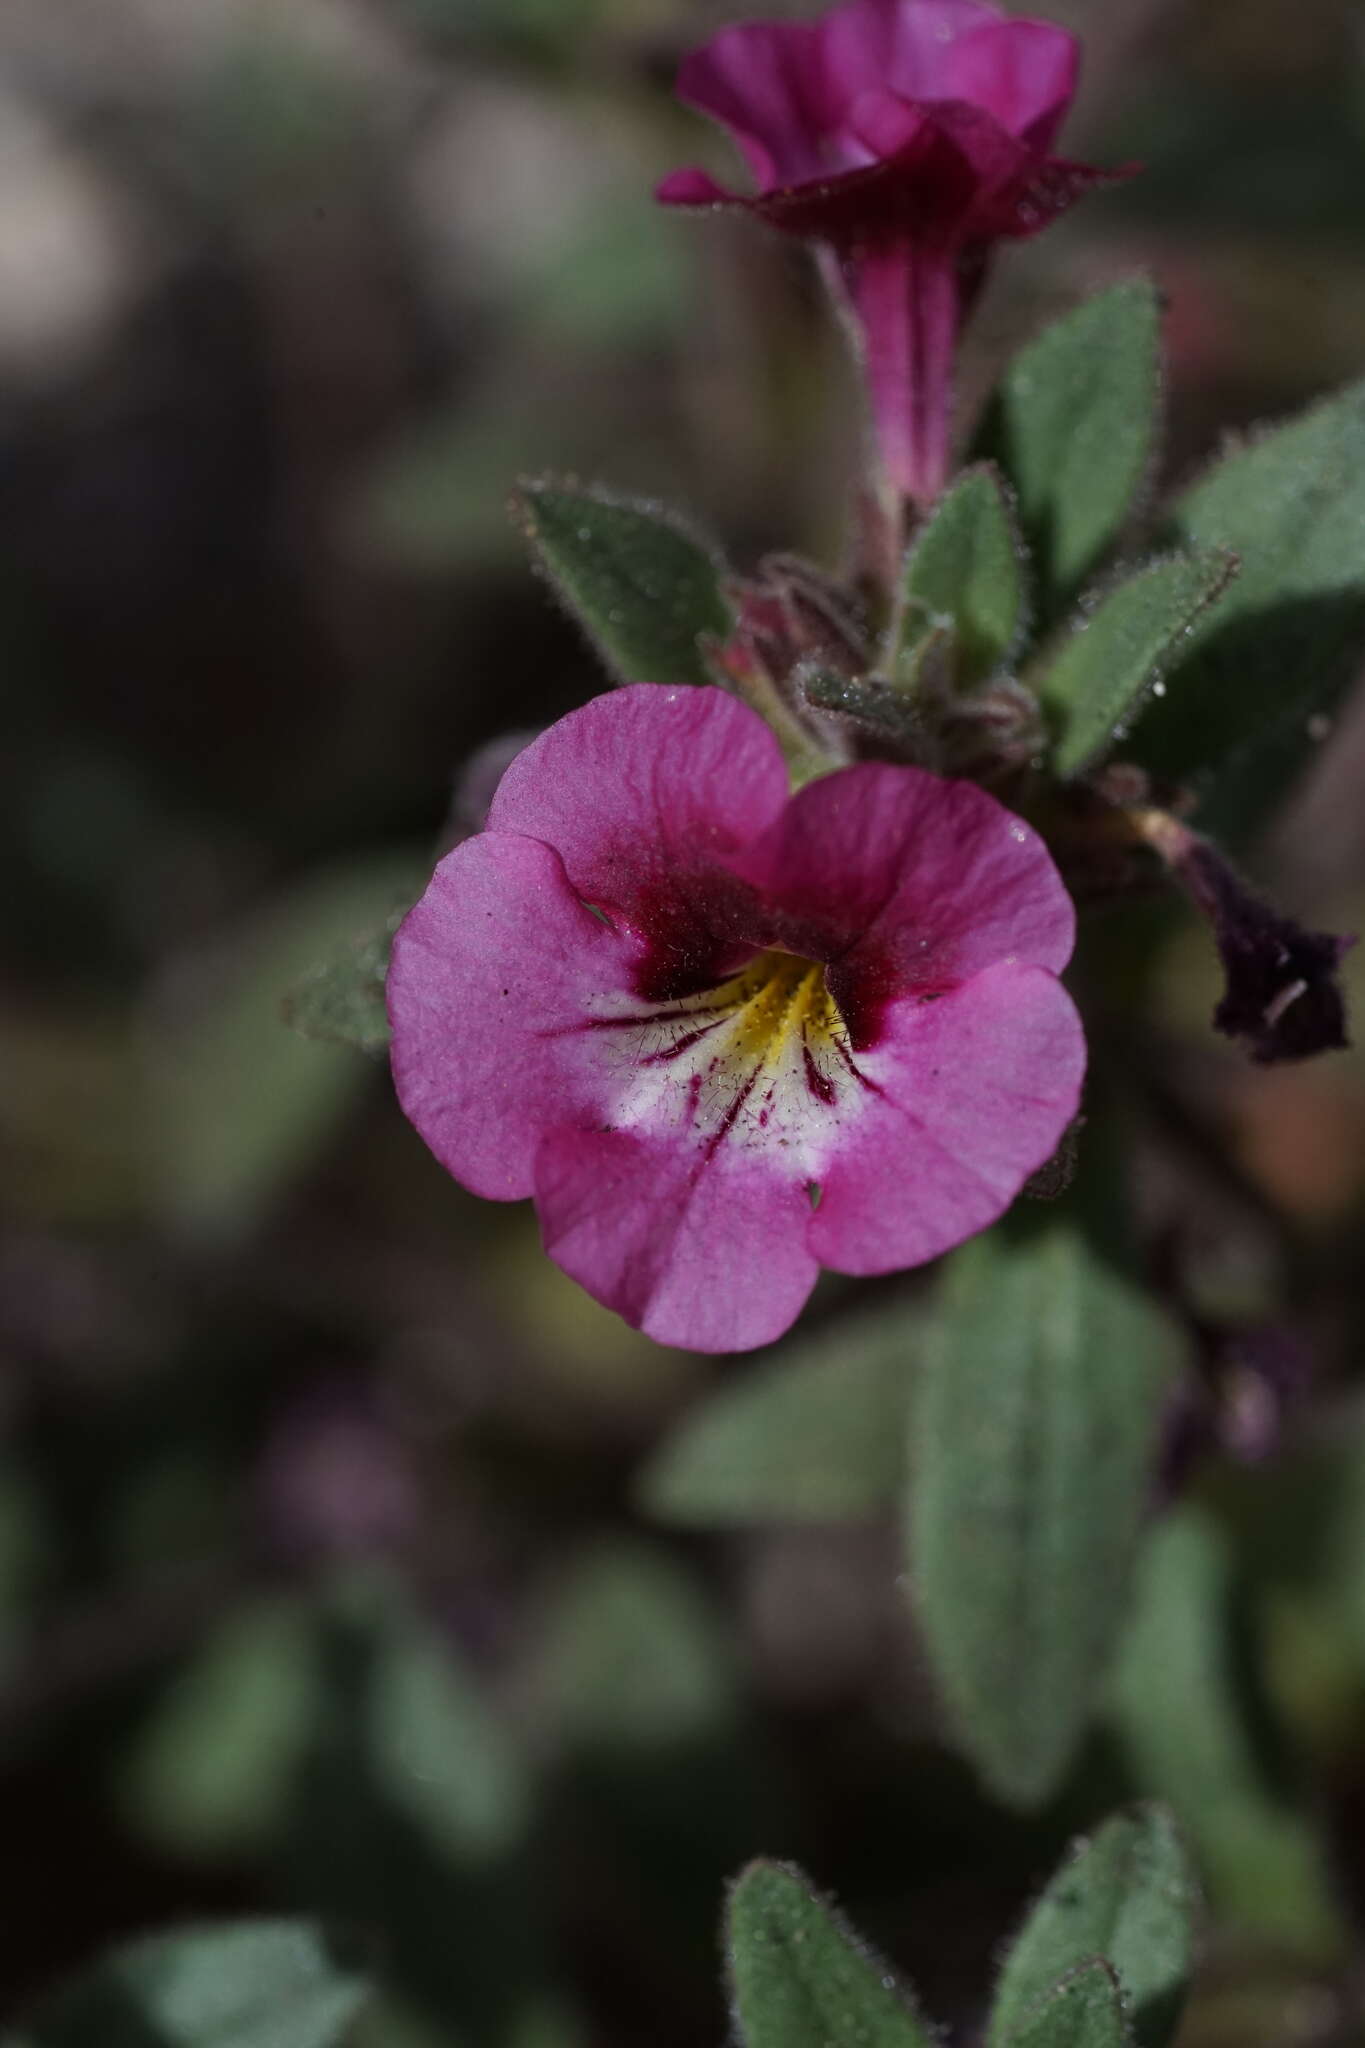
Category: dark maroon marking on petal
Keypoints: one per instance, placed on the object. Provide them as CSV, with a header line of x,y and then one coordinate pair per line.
x,y
666,1053
859,1076
819,1084
695,930
730,1118
861,990
864,983
716,1011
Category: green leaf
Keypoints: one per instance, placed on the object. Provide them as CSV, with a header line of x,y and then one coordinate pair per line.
x,y
215,1763
238,1107
802,1978
887,710
635,1658
965,570
639,581
1074,427
1119,650
265,1984
1034,1423
641,1709
1291,504
1085,2010
342,1001
1129,1895
442,1755
1181,1706
409,1817
815,1434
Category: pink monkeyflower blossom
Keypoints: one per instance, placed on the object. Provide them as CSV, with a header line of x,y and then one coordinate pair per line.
x,y
724,1035
905,137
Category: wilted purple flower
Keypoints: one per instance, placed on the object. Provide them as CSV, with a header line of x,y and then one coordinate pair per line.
x,y
1283,998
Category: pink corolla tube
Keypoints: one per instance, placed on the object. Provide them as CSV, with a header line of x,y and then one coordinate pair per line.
x,y
724,1035
905,138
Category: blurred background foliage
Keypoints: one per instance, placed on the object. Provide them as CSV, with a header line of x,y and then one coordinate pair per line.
x,y
328,1578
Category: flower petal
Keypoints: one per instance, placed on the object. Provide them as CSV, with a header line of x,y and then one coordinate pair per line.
x,y
645,789
763,80
1025,73
927,881
906,45
887,123
692,186
907,302
491,976
973,1094
925,191
706,1251
1026,205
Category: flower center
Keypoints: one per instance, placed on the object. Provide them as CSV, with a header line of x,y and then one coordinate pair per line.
x,y
762,1059
779,1007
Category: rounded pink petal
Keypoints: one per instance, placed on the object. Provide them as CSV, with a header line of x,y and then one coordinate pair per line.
x,y
763,80
972,1094
645,788
886,123
705,1250
1025,73
931,880
491,976
693,187
905,45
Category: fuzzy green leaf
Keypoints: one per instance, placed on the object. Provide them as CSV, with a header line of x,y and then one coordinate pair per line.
x,y
1074,427
634,1658
1085,2010
1291,504
267,1984
1034,1422
1195,1733
212,1768
409,1815
965,571
802,1978
816,1434
639,581
1119,650
888,711
439,1750
1129,1895
238,1106
342,1001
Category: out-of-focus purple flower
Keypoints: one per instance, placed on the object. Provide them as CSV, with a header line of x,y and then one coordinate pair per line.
x,y
906,138
1251,1383
725,1035
333,1481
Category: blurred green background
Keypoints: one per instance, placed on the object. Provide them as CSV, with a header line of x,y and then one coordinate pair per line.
x,y
324,1580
